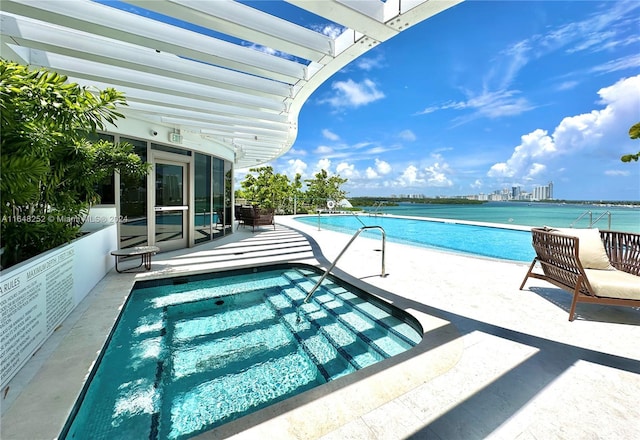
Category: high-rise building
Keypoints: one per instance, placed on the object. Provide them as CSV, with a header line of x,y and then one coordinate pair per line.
x,y
543,192
515,192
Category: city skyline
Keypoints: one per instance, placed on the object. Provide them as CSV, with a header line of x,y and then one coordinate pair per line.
x,y
540,192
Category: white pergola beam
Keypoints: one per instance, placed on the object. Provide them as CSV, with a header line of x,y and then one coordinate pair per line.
x,y
364,17
235,75
151,82
248,24
120,25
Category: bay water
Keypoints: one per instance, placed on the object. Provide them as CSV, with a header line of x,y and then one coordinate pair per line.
x,y
602,216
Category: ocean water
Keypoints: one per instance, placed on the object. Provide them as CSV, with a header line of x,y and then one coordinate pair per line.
x,y
622,218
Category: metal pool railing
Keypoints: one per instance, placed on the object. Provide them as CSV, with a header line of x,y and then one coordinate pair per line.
x,y
384,239
591,222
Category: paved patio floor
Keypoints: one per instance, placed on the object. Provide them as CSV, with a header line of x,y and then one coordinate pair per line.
x,y
495,362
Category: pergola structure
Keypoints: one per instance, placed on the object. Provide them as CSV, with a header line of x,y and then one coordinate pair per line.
x,y
225,71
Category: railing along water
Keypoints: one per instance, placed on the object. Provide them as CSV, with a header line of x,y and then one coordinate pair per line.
x,y
602,215
591,222
326,273
377,209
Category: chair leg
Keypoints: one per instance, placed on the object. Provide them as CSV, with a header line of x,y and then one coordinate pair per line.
x,y
528,273
574,301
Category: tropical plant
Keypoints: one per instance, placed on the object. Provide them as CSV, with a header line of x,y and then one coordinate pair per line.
x,y
296,194
323,188
49,169
634,133
272,190
266,189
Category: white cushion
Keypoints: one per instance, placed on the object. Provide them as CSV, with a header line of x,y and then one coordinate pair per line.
x,y
614,283
591,249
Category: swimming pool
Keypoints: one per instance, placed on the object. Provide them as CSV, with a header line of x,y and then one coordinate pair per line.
x,y
494,242
189,354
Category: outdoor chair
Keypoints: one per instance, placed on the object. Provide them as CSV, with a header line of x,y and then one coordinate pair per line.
x,y
254,216
600,267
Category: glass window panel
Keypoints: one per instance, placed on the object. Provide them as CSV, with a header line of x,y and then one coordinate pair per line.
x,y
169,225
218,193
204,219
170,149
169,181
133,202
228,188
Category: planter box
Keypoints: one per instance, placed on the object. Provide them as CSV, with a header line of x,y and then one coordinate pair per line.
x,y
38,294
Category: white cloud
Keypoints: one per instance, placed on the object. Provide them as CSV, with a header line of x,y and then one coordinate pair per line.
x,y
487,104
616,173
599,131
533,145
270,51
370,63
407,135
535,169
409,178
427,110
323,149
360,145
296,152
346,170
323,164
295,166
436,174
477,184
382,167
567,85
352,94
624,63
330,30
380,150
328,134
495,97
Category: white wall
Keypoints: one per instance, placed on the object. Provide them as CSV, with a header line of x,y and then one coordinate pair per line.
x,y
37,295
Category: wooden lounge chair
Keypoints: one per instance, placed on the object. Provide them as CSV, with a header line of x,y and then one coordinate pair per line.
x,y
254,216
601,267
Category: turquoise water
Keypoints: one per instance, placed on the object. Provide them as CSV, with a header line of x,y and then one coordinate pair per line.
x,y
502,243
192,353
528,214
494,242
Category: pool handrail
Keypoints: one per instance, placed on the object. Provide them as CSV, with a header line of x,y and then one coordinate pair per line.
x,y
324,275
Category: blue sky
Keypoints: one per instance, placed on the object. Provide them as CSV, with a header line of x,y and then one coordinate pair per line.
x,y
486,95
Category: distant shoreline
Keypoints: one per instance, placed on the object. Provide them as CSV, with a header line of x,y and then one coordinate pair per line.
x,y
390,201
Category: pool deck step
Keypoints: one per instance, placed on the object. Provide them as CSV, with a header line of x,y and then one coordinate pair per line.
x,y
331,362
186,372
206,312
343,338
360,322
361,305
214,402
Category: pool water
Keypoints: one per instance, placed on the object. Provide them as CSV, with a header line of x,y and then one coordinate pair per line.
x,y
191,353
486,241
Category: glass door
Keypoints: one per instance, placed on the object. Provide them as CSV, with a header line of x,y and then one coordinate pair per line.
x,y
171,207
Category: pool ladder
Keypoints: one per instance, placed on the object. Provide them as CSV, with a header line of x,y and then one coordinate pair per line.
x,y
384,239
377,209
591,222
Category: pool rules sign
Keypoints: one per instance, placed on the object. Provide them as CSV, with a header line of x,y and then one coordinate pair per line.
x,y
34,300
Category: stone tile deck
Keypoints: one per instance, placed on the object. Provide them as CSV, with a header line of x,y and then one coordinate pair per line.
x,y
495,362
